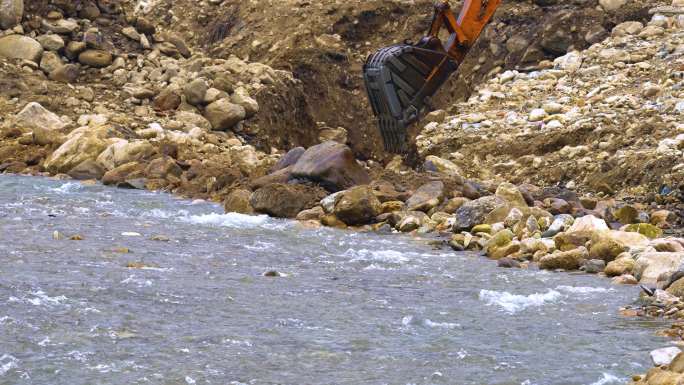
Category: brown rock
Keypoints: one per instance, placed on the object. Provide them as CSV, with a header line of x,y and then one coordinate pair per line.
x,y
566,260
357,206
95,58
119,175
167,100
427,197
311,214
285,201
160,168
67,73
238,202
88,169
280,176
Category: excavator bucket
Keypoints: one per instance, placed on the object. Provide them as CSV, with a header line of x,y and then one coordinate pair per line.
x,y
400,79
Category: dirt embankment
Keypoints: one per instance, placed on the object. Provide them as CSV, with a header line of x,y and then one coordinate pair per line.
x,y
325,43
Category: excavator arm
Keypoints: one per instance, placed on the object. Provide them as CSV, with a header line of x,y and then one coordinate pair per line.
x,y
400,79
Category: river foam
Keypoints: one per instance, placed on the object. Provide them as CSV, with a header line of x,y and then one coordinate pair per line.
x,y
514,303
608,379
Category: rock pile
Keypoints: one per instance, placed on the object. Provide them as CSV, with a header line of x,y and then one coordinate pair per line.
x,y
608,119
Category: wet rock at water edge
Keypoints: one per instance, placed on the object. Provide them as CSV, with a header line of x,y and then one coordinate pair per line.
x,y
284,201
238,201
664,356
508,263
473,213
593,266
565,260
357,206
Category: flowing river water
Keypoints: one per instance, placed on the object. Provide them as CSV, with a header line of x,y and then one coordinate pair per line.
x,y
350,308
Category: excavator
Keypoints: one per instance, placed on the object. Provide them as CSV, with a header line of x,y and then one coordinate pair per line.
x,y
400,79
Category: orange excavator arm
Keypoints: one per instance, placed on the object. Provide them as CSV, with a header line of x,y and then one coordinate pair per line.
x,y
401,78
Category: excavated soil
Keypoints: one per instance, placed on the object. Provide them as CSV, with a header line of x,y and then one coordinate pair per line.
x,y
324,43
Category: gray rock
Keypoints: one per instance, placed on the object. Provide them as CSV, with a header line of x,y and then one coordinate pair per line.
x,y
20,47
11,13
560,223
593,266
283,201
413,220
195,91
474,212
61,26
289,159
242,98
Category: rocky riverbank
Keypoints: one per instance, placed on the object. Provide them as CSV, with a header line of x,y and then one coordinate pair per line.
x,y
572,163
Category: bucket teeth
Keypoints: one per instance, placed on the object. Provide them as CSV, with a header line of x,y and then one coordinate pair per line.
x,y
399,79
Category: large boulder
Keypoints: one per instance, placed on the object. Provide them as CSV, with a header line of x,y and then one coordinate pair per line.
x,y
20,47
566,260
608,244
123,151
620,266
163,167
650,266
332,165
588,225
427,197
88,169
475,212
238,202
510,193
34,116
284,200
289,159
127,175
357,206
11,13
224,115
77,149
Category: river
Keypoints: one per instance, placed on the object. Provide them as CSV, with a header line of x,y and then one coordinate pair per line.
x,y
168,291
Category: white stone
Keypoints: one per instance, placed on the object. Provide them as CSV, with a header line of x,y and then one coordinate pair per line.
x,y
664,356
36,116
588,224
537,115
